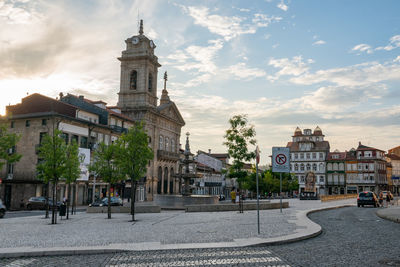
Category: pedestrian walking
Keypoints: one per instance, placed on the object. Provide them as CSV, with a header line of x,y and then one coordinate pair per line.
x,y
387,199
233,195
237,196
381,199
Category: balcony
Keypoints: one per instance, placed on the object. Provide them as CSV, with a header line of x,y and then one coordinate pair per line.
x,y
167,155
118,129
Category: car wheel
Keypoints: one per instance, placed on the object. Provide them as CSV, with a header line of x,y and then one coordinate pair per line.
x,y
2,212
28,207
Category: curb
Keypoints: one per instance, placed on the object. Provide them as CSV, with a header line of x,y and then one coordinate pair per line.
x,y
388,217
114,248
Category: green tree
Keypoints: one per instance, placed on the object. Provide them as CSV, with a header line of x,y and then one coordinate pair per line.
x,y
238,139
53,157
105,166
72,168
133,156
8,142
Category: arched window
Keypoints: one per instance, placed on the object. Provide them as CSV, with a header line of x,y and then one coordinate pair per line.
x,y
321,167
161,145
171,181
308,166
167,143
133,84
314,167
302,167
296,167
150,82
173,149
159,180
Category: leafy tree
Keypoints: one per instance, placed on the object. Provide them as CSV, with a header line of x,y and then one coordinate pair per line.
x,y
105,166
7,143
133,156
52,153
72,168
238,138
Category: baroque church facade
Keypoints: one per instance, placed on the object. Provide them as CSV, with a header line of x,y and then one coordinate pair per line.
x,y
137,99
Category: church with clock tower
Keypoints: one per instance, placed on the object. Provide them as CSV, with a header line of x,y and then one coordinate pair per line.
x,y
137,99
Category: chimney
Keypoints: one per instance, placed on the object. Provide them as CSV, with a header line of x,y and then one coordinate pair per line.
x,y
81,97
61,95
209,151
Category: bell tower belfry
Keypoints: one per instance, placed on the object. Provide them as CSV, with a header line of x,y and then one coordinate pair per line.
x,y
139,68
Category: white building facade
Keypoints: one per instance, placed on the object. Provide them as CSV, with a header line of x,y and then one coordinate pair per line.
x,y
308,152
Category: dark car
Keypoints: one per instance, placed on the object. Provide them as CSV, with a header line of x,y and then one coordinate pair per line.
x,y
367,198
115,201
2,209
39,203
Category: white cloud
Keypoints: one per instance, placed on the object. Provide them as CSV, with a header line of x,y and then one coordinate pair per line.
x,y
282,6
397,59
22,13
319,42
294,67
241,71
228,27
341,98
362,48
355,75
394,42
262,20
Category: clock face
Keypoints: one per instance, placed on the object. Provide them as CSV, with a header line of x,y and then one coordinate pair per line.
x,y
135,40
151,44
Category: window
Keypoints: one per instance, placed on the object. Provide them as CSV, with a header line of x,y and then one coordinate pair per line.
x,y
75,139
12,124
317,138
296,156
173,149
133,82
27,123
65,136
302,179
296,167
321,179
308,155
301,155
314,167
44,122
150,82
10,168
314,155
167,143
84,141
308,167
161,144
302,167
321,155
41,136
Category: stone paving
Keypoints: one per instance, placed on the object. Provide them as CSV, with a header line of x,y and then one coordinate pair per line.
x,y
171,227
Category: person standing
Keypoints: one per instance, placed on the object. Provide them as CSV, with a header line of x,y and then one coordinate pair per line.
x,y
381,199
233,195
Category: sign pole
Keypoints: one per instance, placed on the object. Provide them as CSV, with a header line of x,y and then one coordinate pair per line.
x,y
258,197
280,188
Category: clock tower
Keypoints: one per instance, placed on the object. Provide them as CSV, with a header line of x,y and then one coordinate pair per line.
x,y
139,68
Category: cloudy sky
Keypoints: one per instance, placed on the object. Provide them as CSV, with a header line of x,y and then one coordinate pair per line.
x,y
335,64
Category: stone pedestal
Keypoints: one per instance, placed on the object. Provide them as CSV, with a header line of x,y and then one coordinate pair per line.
x,y
179,202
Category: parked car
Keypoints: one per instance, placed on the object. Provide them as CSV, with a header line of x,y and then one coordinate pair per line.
x,y
367,198
35,203
115,201
2,209
385,194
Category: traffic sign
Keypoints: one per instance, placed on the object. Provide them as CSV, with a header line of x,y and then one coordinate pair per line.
x,y
280,159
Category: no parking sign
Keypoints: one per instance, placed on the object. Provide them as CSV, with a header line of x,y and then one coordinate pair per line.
x,y
280,159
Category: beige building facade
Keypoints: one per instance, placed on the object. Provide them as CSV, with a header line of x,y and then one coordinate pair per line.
x,y
163,121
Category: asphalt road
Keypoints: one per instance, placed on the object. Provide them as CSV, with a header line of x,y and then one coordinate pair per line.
x,y
351,237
